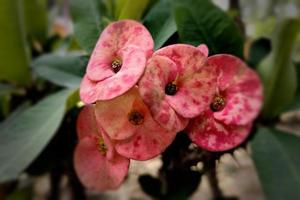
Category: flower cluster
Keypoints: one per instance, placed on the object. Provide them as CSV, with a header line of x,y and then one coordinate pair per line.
x,y
137,101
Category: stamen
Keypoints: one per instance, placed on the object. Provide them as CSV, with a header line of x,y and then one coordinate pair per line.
x,y
116,65
218,103
135,118
101,146
171,88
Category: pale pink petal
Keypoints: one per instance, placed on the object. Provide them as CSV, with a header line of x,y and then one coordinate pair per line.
x,y
127,32
113,116
86,123
204,49
133,67
115,37
88,92
99,66
159,72
145,140
187,58
94,170
195,93
213,135
241,87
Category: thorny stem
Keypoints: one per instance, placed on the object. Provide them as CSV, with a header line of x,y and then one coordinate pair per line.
x,y
213,179
55,178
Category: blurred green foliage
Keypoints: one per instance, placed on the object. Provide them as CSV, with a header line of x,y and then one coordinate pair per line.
x,y
39,104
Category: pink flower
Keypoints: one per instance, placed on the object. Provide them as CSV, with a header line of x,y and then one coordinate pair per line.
x,y
117,62
177,85
236,103
97,164
127,120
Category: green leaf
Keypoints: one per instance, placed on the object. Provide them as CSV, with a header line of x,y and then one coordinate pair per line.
x,y
36,19
14,58
201,21
24,136
130,9
64,70
276,158
160,23
298,76
87,22
295,105
258,51
277,70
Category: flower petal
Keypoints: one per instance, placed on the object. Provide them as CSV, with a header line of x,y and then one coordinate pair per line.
x,y
132,68
115,37
212,135
241,87
94,170
187,58
204,49
159,72
195,93
86,122
113,116
136,141
88,92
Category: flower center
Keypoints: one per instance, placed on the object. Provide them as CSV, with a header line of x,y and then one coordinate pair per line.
x,y
171,88
101,146
135,118
218,103
116,65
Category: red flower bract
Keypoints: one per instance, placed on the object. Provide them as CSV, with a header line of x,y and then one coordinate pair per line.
x,y
117,62
97,164
237,101
177,85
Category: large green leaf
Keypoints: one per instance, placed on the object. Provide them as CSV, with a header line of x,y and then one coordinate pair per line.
x,y
160,23
130,9
276,158
200,21
258,50
36,21
25,135
87,22
277,70
298,76
64,70
13,55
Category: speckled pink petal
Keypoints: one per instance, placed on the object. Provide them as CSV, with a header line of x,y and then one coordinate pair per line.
x,y
187,58
86,122
94,170
147,140
88,92
113,116
132,68
204,49
241,87
212,135
87,126
115,37
160,70
195,93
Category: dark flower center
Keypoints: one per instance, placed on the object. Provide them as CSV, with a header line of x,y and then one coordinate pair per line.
x,y
101,146
116,65
135,117
218,103
171,88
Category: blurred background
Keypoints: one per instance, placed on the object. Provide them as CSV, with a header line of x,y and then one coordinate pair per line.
x,y
44,48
